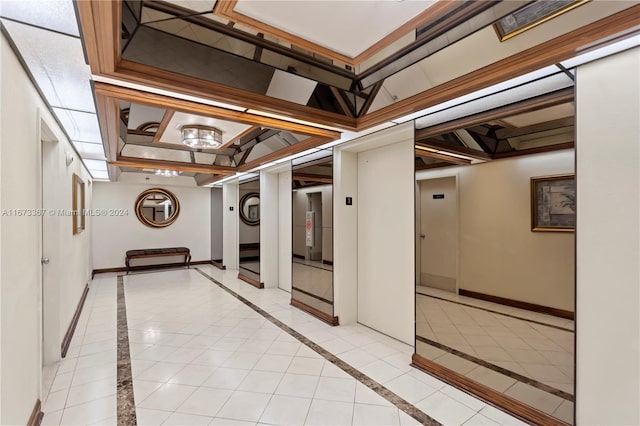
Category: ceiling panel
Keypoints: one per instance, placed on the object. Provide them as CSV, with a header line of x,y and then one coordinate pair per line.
x,y
90,150
80,126
354,25
98,174
203,158
172,134
56,61
95,164
56,15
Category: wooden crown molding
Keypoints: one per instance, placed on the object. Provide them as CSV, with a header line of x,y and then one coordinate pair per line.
x,y
226,9
143,163
548,53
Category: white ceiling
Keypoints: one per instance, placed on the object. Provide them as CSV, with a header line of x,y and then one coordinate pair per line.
x,y
347,26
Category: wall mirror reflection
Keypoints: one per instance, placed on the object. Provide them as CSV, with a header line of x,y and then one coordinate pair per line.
x,y
494,300
312,232
249,230
157,207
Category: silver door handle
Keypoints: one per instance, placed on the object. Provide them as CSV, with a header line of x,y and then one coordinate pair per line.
x,y
422,236
44,260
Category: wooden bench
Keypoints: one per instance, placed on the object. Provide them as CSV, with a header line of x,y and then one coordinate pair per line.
x,y
145,253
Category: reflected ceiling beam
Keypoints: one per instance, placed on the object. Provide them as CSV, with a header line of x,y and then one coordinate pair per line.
x,y
166,118
441,156
341,101
591,36
308,177
304,145
538,150
555,98
144,163
439,145
535,128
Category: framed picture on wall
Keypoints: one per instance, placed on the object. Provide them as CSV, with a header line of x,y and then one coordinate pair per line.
x,y
78,204
532,15
553,203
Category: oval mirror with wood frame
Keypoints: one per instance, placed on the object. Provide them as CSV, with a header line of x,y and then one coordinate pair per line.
x,y
250,208
157,207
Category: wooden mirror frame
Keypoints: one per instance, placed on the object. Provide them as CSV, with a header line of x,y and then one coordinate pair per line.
x,y
142,218
243,216
78,205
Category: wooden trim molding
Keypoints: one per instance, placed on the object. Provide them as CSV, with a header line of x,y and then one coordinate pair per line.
x,y
332,321
144,163
218,265
491,396
166,118
66,341
518,304
548,53
35,419
251,281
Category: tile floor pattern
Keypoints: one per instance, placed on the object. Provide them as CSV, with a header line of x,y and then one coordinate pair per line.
x,y
537,351
200,356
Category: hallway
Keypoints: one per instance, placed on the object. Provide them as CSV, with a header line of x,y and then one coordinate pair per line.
x,y
209,353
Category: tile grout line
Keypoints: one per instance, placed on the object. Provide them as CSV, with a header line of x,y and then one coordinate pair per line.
x,y
498,313
126,407
519,377
378,388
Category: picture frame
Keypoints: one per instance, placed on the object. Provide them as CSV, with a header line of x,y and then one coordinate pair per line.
x,y
78,206
553,203
532,15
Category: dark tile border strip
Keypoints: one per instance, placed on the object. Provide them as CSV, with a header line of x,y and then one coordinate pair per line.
x,y
396,400
322,299
125,399
66,341
524,379
496,312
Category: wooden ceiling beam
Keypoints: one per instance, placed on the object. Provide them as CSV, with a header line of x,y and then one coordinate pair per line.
x,y
143,163
309,177
160,101
561,48
166,118
462,150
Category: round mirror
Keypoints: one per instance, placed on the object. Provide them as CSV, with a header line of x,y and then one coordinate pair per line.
x,y
157,207
250,208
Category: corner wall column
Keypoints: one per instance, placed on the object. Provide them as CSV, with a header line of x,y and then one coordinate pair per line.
x,y
230,225
608,240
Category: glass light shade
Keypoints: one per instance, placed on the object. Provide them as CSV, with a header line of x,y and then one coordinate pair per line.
x,y
201,136
167,173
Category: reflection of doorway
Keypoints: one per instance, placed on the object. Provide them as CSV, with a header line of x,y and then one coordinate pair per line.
x,y
439,234
314,221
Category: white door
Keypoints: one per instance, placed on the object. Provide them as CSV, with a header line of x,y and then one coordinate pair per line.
x,y
52,225
439,234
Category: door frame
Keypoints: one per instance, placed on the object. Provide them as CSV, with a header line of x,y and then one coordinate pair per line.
x,y
418,225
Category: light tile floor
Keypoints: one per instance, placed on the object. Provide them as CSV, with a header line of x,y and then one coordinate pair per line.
x,y
201,356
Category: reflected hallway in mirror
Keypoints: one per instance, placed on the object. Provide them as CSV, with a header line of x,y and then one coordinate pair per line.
x,y
495,300
312,234
249,230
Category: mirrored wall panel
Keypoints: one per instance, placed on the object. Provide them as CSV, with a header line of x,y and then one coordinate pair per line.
x,y
312,221
249,230
495,257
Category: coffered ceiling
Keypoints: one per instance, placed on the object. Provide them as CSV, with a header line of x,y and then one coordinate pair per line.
x,y
280,78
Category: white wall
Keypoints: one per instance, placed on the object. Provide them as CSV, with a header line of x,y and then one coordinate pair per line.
x,y
499,255
20,249
385,230
345,248
269,238
230,222
114,235
284,226
216,223
608,242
